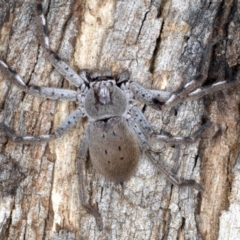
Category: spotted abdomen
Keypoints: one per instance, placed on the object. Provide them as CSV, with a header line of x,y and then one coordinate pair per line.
x,y
114,149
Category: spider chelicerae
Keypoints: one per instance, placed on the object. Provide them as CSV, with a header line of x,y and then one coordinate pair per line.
x,y
118,132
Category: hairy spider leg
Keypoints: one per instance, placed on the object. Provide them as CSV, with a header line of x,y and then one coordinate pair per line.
x,y
140,119
162,100
46,92
69,122
63,68
81,162
149,152
166,138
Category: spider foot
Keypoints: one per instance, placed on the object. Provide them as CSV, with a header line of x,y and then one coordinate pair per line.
x,y
12,76
25,139
96,214
191,183
201,130
168,138
10,133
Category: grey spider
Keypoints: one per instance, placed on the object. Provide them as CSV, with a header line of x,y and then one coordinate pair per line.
x,y
118,133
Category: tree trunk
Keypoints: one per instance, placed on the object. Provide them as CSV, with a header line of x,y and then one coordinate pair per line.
x,y
162,43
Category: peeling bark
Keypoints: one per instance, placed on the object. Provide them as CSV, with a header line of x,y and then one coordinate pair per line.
x,y
162,43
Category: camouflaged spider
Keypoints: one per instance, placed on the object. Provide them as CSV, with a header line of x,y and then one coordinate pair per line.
x,y
117,133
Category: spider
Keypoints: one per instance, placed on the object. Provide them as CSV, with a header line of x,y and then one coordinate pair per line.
x,y
118,132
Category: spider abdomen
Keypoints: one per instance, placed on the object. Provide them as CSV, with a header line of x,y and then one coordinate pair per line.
x,y
114,149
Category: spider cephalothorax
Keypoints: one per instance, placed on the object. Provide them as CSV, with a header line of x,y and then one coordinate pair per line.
x,y
104,98
118,132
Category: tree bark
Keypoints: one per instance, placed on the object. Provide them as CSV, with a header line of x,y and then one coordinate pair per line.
x,y
162,43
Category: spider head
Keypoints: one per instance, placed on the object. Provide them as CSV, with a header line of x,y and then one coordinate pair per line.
x,y
104,99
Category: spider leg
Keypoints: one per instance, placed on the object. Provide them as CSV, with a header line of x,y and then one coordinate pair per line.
x,y
199,92
12,76
141,120
182,94
150,154
65,126
172,177
124,76
183,140
162,100
192,91
148,132
81,162
154,99
52,93
63,68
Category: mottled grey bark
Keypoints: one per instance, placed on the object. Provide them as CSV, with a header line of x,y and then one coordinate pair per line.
x,y
162,43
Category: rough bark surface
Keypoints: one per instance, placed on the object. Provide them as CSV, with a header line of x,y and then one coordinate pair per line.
x,y
162,43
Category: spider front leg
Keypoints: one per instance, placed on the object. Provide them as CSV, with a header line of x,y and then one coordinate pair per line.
x,y
65,126
162,100
51,93
63,68
81,162
150,154
182,94
154,99
192,90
